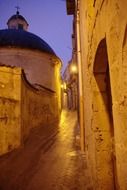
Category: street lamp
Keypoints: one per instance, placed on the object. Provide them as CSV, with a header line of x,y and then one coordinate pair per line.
x,y
73,68
64,86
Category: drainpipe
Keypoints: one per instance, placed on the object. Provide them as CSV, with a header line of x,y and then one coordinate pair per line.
x,y
80,78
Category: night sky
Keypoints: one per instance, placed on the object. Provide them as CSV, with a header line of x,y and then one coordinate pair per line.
x,y
47,19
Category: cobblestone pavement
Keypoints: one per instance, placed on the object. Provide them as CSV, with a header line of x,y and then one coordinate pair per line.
x,y
49,160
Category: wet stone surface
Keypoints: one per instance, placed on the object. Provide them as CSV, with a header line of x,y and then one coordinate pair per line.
x,y
49,160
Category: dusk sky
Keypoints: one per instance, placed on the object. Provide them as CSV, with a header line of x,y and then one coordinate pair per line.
x,y
47,19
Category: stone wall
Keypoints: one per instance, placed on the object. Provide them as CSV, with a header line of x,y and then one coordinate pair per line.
x,y
10,114
103,53
38,107
22,107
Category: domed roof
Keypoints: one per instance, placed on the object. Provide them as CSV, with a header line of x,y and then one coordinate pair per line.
x,y
23,39
17,16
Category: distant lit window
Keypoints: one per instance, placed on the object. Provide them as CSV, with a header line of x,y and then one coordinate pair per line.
x,y
20,26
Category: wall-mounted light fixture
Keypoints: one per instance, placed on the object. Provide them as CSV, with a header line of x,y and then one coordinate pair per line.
x,y
73,68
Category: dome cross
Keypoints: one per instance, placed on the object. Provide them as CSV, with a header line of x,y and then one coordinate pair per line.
x,y
17,7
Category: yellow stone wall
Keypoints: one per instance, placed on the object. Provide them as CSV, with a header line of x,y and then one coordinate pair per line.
x,y
38,108
103,31
23,107
57,77
10,115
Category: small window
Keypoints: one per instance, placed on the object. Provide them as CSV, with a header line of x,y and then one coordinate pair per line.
x,y
20,26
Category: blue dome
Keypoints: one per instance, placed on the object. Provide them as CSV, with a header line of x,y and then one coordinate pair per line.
x,y
23,39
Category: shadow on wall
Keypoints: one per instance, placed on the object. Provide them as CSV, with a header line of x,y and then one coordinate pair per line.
x,y
103,120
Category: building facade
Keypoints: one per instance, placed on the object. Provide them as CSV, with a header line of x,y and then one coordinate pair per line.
x,y
70,76
101,36
70,87
30,94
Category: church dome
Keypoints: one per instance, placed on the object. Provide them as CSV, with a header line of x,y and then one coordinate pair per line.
x,y
23,39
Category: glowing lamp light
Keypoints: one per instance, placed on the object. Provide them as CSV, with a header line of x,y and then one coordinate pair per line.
x,y
73,68
64,86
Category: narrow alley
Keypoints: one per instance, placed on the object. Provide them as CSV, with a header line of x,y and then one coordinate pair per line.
x,y
49,160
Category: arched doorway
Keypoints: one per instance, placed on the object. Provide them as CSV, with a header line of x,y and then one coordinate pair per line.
x,y
103,120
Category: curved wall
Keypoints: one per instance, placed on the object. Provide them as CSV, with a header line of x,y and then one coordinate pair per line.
x,y
38,66
23,107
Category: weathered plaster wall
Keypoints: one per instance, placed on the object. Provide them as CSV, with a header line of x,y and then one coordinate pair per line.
x,y
38,108
22,107
57,81
10,115
105,20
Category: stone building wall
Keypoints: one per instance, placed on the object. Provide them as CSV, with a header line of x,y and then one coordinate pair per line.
x,y
10,114
57,64
103,34
22,107
38,107
37,65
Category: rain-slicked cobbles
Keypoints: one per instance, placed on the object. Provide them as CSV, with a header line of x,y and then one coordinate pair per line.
x,y
49,160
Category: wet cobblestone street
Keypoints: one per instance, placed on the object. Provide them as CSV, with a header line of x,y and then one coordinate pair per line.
x,y
49,160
